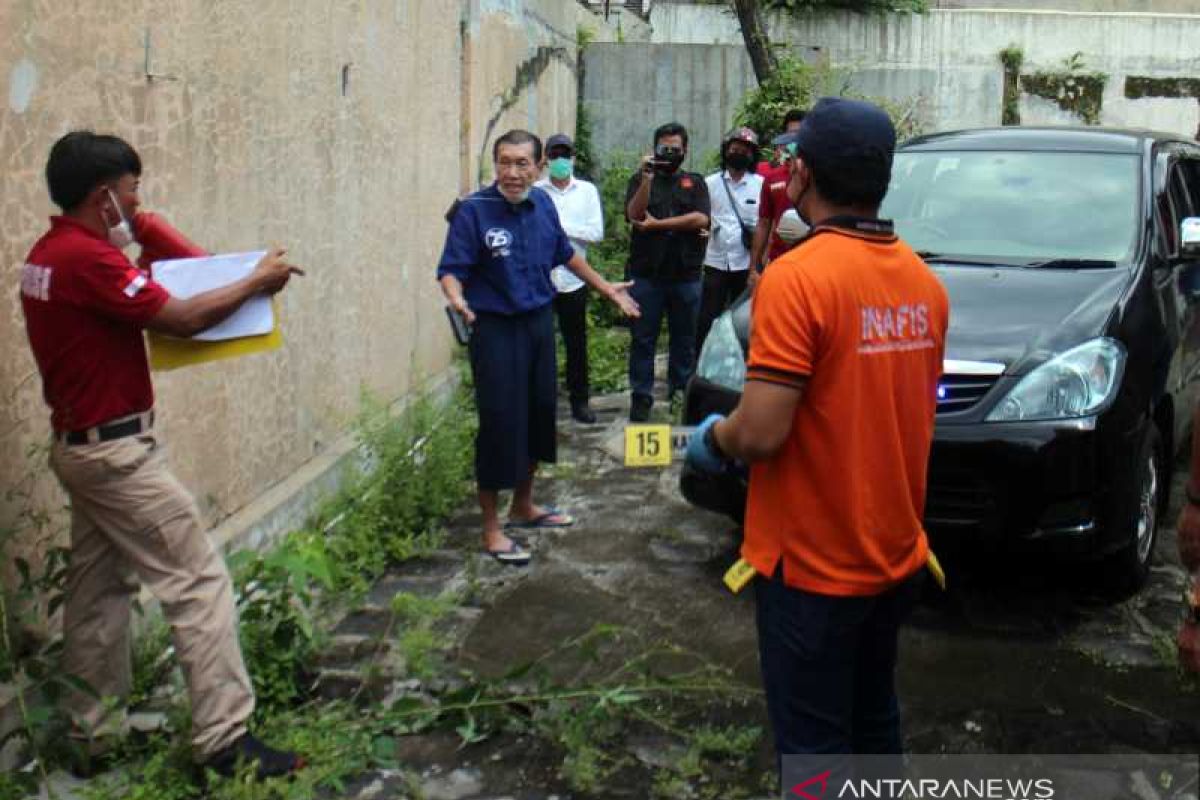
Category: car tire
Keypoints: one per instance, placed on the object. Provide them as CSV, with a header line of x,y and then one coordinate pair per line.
x,y
1139,515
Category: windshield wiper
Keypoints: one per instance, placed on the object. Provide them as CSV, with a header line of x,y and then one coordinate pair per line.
x,y
930,257
1071,263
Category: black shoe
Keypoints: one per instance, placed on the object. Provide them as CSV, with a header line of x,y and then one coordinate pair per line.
x,y
639,408
582,412
270,763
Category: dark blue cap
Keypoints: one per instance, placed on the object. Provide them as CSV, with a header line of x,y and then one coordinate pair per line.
x,y
560,140
839,133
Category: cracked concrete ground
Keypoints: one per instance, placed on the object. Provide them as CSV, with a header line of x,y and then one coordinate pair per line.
x,y
1020,657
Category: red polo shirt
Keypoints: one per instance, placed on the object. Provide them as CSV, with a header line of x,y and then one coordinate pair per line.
x,y
85,306
771,205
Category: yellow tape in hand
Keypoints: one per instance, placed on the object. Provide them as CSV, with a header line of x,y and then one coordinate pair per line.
x,y
739,575
935,567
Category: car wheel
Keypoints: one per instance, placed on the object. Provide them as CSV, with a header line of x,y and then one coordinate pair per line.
x,y
1139,516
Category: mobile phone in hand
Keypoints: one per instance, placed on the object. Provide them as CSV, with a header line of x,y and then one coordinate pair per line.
x,y
459,325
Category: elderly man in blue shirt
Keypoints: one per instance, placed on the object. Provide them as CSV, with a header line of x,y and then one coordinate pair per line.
x,y
495,270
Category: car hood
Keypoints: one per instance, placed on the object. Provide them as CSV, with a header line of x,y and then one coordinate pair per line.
x,y
1022,316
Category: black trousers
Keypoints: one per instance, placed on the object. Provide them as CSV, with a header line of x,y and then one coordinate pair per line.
x,y
720,289
512,360
571,308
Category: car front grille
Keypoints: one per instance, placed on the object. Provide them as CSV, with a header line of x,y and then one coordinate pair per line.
x,y
961,392
959,499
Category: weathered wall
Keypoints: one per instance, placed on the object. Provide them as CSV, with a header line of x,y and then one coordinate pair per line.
x,y
632,89
523,72
342,130
949,58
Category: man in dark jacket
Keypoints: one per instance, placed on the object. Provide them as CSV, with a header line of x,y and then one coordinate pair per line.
x,y
669,211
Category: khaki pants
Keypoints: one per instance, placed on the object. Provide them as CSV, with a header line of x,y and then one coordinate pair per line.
x,y
132,520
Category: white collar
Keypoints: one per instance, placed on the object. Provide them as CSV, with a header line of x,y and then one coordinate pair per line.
x,y
548,183
745,177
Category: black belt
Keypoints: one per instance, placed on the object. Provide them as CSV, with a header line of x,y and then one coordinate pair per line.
x,y
107,431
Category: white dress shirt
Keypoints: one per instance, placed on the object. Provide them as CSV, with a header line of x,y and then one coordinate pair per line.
x,y
582,218
725,249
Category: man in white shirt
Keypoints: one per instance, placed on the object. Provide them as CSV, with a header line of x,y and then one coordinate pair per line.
x,y
582,217
734,193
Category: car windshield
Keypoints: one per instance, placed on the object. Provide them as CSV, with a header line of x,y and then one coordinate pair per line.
x,y
1034,208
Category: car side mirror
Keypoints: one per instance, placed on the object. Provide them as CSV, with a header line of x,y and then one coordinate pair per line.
x,y
1189,238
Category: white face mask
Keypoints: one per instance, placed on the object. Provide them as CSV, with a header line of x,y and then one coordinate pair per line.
x,y
120,235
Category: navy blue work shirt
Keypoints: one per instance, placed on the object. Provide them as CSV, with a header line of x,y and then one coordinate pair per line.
x,y
503,253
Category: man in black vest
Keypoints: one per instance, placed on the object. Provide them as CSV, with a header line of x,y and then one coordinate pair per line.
x,y
669,211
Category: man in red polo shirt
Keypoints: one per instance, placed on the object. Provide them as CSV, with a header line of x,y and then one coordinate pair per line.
x,y
773,203
85,307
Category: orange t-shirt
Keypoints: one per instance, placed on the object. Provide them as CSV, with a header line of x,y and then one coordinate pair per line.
x,y
857,317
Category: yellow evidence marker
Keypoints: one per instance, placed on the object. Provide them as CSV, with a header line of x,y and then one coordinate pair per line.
x,y
935,568
742,573
648,446
739,575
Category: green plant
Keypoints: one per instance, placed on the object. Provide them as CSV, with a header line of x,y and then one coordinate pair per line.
x,y
796,84
1072,88
277,597
1012,57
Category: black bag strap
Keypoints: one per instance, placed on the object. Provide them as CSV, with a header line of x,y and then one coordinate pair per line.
x,y
745,228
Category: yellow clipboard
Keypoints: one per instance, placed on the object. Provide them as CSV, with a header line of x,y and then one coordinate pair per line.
x,y
168,353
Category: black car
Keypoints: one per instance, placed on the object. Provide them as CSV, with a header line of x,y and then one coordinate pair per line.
x,y
1073,270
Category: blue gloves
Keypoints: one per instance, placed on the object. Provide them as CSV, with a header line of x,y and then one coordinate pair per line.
x,y
702,455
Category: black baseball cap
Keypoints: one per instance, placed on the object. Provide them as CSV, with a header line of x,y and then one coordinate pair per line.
x,y
839,133
560,140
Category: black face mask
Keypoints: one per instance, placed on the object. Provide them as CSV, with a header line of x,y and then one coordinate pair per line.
x,y
669,158
739,161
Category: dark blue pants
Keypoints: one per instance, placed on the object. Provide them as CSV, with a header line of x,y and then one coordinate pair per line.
x,y
829,667
571,310
680,301
513,365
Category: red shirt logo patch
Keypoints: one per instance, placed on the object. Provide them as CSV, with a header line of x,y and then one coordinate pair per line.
x,y
136,280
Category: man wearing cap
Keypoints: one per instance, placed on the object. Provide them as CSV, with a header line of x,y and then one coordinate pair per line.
x,y
582,218
836,423
733,193
669,211
779,227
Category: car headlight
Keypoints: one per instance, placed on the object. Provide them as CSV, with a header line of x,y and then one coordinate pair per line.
x,y
722,361
1078,383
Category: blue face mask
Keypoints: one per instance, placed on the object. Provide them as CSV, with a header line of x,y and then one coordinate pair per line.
x,y
561,168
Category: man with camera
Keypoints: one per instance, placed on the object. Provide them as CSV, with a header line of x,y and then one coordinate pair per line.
x,y
734,192
669,211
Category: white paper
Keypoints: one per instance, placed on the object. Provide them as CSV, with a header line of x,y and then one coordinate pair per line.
x,y
186,277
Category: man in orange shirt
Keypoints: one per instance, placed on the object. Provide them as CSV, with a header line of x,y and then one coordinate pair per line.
x,y
836,423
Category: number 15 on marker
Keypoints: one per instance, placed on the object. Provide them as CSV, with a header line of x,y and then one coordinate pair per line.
x,y
654,445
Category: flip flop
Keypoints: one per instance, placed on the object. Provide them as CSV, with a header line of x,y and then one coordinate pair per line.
x,y
514,555
543,520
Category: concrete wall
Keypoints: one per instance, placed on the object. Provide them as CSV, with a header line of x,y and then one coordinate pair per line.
x,y
1105,6
632,89
949,58
342,130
